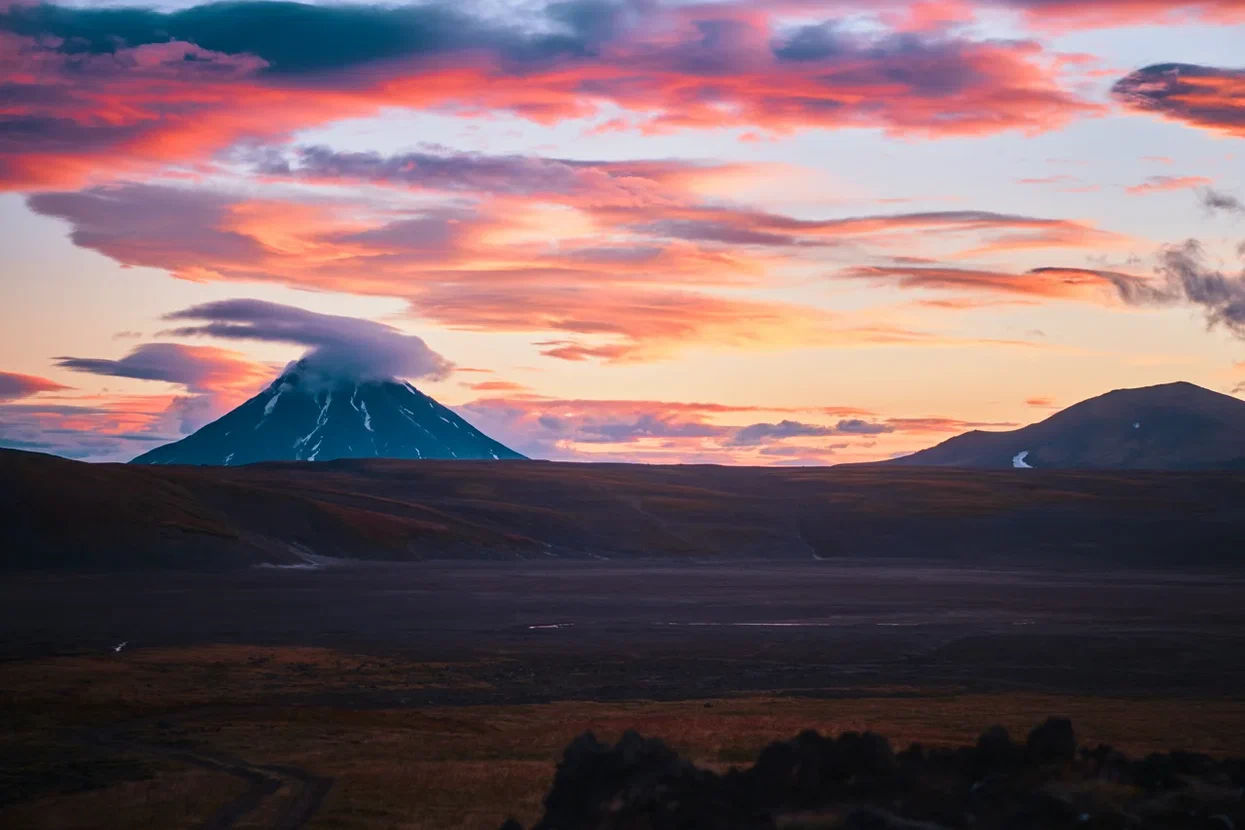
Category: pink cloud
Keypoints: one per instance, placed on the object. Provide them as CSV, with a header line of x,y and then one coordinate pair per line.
x,y
1206,97
74,117
669,432
1159,184
14,385
1052,283
1072,14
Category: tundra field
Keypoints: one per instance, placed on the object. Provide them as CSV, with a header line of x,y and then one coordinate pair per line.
x,y
439,695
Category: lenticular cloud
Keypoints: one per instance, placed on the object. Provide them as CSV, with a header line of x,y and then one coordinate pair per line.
x,y
337,346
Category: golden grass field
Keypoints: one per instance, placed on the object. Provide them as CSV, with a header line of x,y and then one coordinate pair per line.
x,y
165,737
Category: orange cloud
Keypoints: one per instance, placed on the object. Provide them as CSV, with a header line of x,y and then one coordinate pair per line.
x,y
496,386
938,424
635,324
1056,234
1060,179
623,284
215,379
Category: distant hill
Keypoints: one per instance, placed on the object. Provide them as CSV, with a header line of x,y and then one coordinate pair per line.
x,y
62,514
303,416
1174,426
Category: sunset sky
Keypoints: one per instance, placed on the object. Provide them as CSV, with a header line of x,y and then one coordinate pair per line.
x,y
788,232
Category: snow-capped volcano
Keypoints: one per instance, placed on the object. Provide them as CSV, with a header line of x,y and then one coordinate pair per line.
x,y
304,416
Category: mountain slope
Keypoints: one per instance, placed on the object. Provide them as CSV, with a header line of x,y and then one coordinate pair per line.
x,y
67,514
1174,426
305,417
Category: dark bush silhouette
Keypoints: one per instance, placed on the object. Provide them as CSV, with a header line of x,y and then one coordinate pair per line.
x,y
856,782
639,783
805,771
1052,742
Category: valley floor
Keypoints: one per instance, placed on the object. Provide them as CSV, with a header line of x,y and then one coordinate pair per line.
x,y
440,695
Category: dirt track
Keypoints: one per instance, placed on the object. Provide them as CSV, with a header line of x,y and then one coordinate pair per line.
x,y
264,781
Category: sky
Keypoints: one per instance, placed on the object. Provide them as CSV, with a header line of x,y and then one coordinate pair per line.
x,y
786,232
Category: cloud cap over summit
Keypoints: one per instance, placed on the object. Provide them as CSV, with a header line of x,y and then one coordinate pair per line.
x,y
336,346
